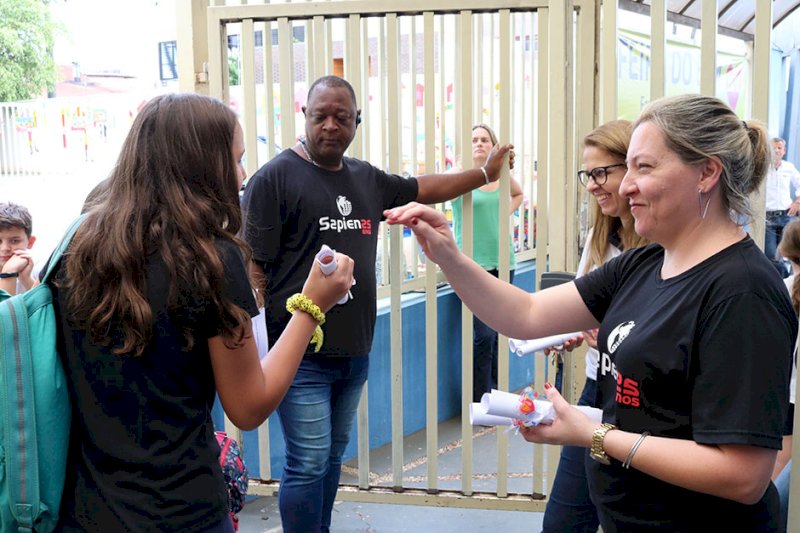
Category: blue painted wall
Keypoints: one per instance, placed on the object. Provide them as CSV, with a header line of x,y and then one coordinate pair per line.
x,y
379,387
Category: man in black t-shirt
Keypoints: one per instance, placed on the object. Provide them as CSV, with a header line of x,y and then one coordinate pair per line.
x,y
306,197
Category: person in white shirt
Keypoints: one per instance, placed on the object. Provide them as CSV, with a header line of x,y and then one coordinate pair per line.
x,y
782,180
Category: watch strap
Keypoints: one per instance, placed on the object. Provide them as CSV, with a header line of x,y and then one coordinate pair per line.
x,y
597,452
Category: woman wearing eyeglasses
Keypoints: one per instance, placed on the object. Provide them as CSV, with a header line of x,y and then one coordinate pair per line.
x,y
569,507
486,237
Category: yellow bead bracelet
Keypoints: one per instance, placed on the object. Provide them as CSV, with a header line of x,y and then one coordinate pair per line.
x,y
301,302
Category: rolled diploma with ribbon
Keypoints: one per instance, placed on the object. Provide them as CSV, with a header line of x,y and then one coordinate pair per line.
x,y
326,259
524,347
508,406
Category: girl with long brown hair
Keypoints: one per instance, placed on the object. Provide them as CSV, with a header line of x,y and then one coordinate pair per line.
x,y
154,311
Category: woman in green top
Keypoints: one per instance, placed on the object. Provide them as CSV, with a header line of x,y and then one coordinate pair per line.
x,y
486,225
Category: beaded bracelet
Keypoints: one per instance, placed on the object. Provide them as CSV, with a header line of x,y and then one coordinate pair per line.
x,y
301,302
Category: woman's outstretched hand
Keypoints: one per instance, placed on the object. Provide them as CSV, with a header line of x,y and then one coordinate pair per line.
x,y
430,227
324,290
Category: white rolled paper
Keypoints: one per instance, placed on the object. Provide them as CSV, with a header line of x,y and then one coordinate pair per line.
x,y
478,417
524,347
504,406
329,267
260,333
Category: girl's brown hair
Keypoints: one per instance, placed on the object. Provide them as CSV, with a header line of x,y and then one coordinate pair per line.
x,y
173,192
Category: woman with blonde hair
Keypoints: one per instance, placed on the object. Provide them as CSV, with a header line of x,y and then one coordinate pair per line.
x,y
569,507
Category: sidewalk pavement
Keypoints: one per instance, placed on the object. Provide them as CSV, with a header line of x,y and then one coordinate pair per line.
x,y
261,515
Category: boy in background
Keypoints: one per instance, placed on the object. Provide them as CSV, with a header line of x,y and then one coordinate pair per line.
x,y
16,240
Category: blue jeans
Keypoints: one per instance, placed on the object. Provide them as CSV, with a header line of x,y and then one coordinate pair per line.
x,y
484,353
316,416
782,484
569,507
772,237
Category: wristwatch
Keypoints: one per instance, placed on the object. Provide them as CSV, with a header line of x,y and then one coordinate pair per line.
x,y
5,275
597,452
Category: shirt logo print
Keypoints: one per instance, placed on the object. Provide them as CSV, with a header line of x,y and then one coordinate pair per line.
x,y
344,206
619,334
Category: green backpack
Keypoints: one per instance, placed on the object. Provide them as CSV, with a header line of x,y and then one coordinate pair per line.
x,y
35,414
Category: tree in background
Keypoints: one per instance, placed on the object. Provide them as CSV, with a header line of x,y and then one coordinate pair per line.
x,y
26,44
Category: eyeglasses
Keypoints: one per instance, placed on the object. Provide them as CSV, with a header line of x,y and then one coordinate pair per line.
x,y
599,174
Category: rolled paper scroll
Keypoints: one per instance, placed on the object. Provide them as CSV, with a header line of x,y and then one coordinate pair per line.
x,y
524,347
326,259
526,409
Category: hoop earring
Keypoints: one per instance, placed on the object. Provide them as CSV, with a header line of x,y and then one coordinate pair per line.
x,y
703,212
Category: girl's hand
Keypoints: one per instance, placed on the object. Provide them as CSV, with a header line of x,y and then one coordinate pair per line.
x,y
324,290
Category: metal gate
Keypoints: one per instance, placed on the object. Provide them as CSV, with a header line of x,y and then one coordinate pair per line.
x,y
539,71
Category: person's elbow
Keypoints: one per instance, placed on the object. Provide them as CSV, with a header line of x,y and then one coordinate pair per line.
x,y
247,419
749,492
748,485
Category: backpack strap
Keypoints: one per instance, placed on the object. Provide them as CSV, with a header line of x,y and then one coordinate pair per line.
x,y
52,263
19,417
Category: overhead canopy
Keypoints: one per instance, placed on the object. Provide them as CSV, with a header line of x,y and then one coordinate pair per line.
x,y
736,17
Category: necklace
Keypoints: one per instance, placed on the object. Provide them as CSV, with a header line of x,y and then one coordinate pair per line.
x,y
308,154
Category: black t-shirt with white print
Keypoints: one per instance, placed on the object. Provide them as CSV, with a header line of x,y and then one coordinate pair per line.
x,y
703,356
292,208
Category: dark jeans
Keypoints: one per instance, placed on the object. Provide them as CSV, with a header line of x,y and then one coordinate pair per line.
x,y
484,353
772,237
316,416
569,507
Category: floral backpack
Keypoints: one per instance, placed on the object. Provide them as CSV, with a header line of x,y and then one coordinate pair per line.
x,y
235,472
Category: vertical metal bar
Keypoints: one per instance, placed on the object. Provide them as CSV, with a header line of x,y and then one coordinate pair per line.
x,y
217,56
708,48
321,61
504,132
248,82
541,224
192,46
760,106
443,101
269,92
608,62
463,80
286,73
431,307
658,48
412,83
560,18
364,70
393,137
